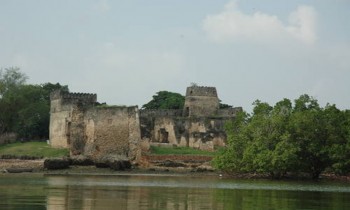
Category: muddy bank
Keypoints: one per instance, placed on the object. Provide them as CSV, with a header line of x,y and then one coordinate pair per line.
x,y
35,165
148,165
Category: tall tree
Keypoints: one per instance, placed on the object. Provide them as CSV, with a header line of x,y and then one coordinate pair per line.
x,y
24,108
307,127
11,78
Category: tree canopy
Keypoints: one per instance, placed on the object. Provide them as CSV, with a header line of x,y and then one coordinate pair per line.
x,y
165,100
282,139
25,108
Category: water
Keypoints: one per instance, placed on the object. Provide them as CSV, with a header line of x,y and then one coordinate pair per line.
x,y
18,191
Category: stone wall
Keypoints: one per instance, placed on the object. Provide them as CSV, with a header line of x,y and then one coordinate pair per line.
x,y
229,112
201,91
160,113
112,131
200,126
64,107
60,118
77,122
86,129
200,133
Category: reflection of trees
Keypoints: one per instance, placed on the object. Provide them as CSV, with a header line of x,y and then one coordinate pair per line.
x,y
278,199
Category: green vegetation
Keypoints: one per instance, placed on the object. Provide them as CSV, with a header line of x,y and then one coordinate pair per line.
x,y
166,100
224,106
34,149
303,138
24,108
170,100
179,151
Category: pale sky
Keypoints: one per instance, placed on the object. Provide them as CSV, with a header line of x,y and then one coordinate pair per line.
x,y
126,51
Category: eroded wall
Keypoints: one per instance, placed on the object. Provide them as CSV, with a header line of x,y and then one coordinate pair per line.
x,y
112,131
201,133
59,124
78,123
65,108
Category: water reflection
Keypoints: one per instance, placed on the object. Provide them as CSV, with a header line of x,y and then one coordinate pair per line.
x,y
174,193
124,193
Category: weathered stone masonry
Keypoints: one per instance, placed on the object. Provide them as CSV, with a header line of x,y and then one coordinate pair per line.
x,y
199,125
79,123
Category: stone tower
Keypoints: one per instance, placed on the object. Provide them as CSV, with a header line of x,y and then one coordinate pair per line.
x,y
201,102
64,105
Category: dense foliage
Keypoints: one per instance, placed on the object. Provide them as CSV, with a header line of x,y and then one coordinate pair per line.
x,y
155,150
165,100
25,108
282,139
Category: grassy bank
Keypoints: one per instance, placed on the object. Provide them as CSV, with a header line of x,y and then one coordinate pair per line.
x,y
34,149
179,151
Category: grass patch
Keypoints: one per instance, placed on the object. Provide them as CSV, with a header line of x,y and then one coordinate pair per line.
x,y
34,149
179,151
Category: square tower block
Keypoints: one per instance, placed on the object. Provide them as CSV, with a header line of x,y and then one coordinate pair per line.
x,y
201,102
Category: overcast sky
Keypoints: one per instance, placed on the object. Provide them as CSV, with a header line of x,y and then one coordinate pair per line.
x,y
126,51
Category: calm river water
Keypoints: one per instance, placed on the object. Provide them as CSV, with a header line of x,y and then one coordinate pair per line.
x,y
86,192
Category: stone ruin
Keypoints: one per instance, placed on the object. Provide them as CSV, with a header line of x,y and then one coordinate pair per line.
x,y
87,128
199,125
80,123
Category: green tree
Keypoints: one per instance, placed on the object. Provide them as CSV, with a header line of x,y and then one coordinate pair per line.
x,y
308,130
24,108
338,131
270,149
165,100
32,120
34,116
224,106
280,139
260,143
230,158
10,79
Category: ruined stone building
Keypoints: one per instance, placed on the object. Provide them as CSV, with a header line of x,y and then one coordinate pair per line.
x,y
86,127
79,123
199,125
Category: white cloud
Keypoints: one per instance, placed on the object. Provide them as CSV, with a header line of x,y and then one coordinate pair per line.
x,y
303,24
102,6
233,24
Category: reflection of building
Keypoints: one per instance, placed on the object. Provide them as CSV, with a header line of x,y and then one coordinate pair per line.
x,y
88,193
80,123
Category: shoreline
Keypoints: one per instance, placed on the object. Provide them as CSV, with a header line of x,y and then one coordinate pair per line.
x,y
37,167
